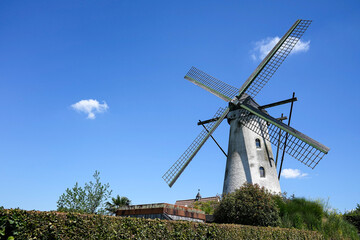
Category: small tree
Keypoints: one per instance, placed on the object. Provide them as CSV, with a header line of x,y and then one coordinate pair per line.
x,y
249,205
85,200
116,203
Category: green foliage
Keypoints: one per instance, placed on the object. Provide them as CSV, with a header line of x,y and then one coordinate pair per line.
x,y
335,227
208,207
300,213
65,226
249,205
313,215
116,203
353,217
8,227
85,200
295,213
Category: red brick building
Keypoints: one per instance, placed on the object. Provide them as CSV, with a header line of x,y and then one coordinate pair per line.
x,y
162,211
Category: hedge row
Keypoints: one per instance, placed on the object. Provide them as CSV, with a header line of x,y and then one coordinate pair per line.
x,y
22,224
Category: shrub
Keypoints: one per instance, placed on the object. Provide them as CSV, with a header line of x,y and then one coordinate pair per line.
x,y
335,227
353,217
53,225
313,215
249,205
300,213
85,200
208,207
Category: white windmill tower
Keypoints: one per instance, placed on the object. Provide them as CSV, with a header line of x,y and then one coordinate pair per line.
x,y
252,129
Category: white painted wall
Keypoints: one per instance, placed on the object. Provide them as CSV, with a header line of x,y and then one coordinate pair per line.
x,y
244,159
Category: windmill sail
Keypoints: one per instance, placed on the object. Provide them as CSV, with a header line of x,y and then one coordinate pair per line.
x,y
179,166
273,60
298,145
211,84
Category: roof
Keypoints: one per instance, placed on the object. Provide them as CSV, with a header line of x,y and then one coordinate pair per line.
x,y
189,202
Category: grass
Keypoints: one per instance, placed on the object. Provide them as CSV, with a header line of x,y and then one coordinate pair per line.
x,y
314,215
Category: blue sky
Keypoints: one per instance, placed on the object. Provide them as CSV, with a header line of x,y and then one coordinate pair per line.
x,y
132,56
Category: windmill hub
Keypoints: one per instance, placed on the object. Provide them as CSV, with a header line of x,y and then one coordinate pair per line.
x,y
236,105
252,129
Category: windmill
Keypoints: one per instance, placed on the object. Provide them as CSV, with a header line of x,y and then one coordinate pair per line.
x,y
252,129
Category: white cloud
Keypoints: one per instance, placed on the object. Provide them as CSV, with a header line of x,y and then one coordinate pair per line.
x,y
90,107
263,47
293,173
301,47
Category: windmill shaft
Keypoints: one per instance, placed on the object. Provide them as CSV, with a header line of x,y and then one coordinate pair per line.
x,y
278,146
215,119
291,100
215,141
207,121
286,137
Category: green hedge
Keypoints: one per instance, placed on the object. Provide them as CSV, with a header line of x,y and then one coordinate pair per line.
x,y
22,224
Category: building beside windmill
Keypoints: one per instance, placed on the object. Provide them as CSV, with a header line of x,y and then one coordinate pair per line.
x,y
182,210
163,211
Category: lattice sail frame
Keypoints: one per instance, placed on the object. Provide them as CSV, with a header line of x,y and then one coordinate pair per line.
x,y
211,84
179,166
308,154
273,60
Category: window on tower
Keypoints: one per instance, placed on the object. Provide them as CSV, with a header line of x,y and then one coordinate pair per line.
x,y
257,143
262,172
